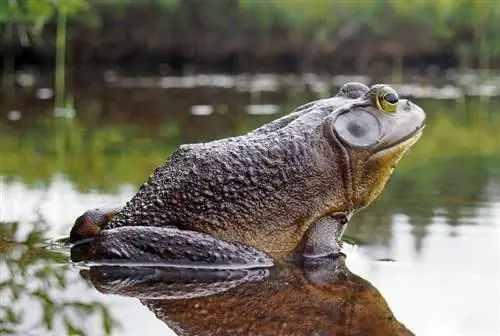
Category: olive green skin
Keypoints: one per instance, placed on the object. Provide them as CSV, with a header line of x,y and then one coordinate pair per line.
x,y
290,185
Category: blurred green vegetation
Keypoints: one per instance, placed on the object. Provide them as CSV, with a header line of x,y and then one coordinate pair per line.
x,y
37,12
38,279
467,28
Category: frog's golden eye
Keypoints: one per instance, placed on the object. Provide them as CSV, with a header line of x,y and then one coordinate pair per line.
x,y
387,100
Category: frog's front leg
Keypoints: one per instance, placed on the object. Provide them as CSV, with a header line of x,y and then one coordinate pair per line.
x,y
322,238
91,223
167,245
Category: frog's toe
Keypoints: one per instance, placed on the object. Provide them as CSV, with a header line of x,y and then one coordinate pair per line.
x,y
90,224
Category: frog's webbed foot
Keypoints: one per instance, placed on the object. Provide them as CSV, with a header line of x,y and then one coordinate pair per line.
x,y
91,223
167,246
322,238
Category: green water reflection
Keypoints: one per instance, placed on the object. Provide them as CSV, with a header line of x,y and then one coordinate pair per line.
x,y
33,283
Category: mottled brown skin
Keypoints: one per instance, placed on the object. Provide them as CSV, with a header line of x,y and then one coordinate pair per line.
x,y
316,298
282,186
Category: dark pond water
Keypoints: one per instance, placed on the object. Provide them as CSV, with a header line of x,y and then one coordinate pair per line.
x,y
425,256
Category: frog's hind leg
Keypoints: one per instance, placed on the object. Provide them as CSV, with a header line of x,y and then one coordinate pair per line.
x,y
91,223
169,246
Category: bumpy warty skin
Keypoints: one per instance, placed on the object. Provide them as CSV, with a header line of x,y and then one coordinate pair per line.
x,y
262,189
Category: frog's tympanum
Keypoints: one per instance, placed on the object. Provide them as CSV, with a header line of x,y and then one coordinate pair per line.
x,y
286,188
318,297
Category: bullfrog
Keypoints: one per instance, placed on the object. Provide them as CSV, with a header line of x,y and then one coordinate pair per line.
x,y
288,188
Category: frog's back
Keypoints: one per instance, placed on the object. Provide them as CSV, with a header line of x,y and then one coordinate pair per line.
x,y
235,188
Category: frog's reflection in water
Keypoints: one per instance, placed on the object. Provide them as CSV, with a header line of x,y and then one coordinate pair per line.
x,y
318,297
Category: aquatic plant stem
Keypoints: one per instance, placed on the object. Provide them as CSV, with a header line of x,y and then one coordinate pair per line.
x,y
8,68
60,58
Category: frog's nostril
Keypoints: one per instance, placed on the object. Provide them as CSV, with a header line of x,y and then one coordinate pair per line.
x,y
407,105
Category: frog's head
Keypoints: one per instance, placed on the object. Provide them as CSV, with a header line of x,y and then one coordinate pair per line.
x,y
372,129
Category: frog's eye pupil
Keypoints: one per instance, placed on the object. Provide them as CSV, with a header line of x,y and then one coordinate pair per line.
x,y
391,98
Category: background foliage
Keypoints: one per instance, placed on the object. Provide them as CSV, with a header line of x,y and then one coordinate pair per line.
x,y
468,29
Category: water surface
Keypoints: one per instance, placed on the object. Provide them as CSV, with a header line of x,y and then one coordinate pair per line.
x,y
429,244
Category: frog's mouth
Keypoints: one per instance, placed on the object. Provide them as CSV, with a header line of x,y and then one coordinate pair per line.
x,y
396,151
407,140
